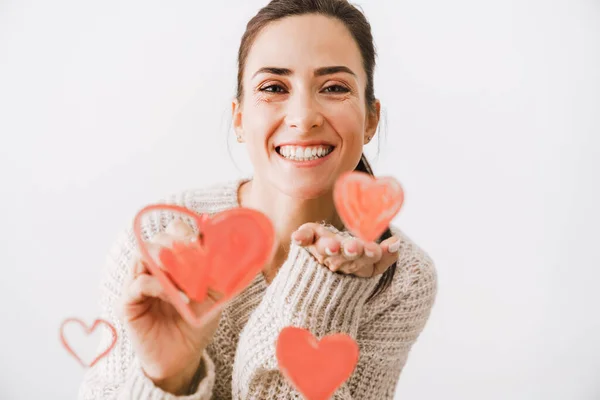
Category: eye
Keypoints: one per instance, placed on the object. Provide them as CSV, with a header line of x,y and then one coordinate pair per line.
x,y
339,89
266,89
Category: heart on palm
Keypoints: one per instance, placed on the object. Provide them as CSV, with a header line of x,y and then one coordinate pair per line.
x,y
232,248
367,204
316,368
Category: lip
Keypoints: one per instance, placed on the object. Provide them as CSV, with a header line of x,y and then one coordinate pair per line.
x,y
305,143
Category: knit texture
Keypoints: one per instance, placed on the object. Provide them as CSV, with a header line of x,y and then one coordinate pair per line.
x,y
240,361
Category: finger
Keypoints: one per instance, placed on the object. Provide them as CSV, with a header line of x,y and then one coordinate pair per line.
x,y
390,248
328,246
208,304
352,248
365,263
161,239
335,263
305,235
133,267
174,231
373,252
179,229
143,287
139,268
157,251
391,245
311,225
330,231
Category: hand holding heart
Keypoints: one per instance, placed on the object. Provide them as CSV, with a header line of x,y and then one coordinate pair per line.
x,y
168,347
169,336
366,205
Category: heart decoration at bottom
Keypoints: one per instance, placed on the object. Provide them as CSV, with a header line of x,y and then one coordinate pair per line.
x,y
87,331
316,368
232,247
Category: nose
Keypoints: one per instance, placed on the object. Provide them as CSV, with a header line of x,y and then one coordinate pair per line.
x,y
303,112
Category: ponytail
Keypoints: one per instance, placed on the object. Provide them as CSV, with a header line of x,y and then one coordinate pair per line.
x,y
386,279
364,166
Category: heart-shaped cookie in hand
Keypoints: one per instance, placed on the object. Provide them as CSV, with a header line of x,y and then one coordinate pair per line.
x,y
316,368
367,204
232,248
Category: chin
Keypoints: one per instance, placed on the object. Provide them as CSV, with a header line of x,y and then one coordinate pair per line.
x,y
304,188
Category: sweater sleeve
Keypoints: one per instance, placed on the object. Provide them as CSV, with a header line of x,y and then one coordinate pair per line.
x,y
308,295
118,376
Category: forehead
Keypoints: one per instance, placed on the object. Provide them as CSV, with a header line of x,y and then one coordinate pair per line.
x,y
303,43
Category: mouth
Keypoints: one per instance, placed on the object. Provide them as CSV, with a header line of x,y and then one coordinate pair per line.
x,y
304,153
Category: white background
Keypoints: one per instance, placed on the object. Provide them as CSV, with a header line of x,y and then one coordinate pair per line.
x,y
493,118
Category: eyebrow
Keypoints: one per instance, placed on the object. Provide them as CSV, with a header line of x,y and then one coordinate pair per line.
x,y
318,72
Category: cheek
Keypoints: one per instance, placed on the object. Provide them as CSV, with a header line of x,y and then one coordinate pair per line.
x,y
260,121
257,117
346,120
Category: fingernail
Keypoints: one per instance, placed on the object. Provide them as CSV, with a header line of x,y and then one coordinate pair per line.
x,y
329,252
349,253
369,253
394,247
297,242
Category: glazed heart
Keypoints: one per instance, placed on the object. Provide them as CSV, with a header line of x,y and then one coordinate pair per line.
x,y
367,204
233,247
88,331
316,368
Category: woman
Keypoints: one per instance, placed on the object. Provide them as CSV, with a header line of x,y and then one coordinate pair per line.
x,y
304,109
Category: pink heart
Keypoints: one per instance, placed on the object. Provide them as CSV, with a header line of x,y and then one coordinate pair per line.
x,y
233,248
316,368
367,204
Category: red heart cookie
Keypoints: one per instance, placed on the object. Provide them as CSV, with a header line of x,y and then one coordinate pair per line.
x,y
367,204
316,368
233,247
87,331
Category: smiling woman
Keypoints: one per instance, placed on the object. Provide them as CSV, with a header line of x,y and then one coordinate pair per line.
x,y
293,85
304,109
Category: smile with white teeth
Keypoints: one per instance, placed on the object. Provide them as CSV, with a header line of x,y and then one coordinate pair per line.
x,y
304,153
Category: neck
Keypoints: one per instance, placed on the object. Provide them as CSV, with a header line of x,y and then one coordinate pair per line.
x,y
287,213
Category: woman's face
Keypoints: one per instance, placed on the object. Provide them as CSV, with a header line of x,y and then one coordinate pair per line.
x,y
303,115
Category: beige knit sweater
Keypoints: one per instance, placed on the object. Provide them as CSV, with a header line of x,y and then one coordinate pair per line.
x,y
240,360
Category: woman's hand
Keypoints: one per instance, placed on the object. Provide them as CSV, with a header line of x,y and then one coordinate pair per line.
x,y
168,348
347,254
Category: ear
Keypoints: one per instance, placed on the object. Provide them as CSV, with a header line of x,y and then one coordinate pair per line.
x,y
372,122
236,116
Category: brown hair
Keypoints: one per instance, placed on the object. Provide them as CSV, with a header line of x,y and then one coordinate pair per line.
x,y
359,27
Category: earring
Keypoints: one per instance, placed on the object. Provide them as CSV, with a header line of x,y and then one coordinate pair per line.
x,y
239,139
368,139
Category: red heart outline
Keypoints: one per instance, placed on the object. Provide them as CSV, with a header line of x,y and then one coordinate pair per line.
x,y
88,331
316,368
367,204
214,263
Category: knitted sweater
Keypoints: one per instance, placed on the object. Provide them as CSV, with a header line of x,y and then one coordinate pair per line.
x,y
240,361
